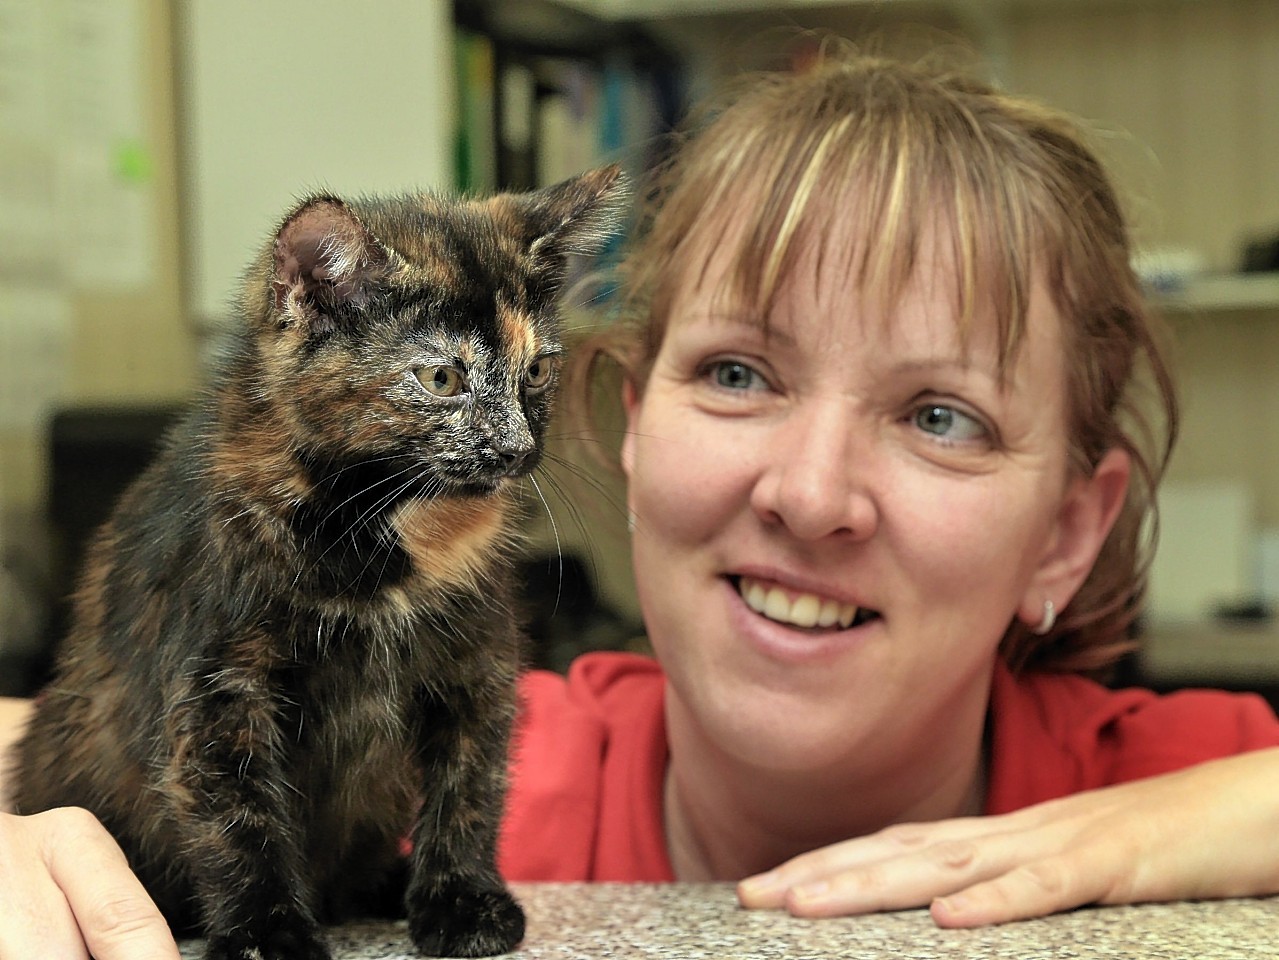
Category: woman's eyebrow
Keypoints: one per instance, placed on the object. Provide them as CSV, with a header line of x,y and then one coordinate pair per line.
x,y
771,332
965,365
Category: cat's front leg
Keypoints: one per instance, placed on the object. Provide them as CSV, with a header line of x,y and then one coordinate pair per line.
x,y
458,904
238,819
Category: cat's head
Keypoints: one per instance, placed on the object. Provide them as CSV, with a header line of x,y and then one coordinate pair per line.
x,y
422,333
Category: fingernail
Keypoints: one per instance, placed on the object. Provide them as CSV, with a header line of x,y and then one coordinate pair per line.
x,y
811,892
953,905
761,883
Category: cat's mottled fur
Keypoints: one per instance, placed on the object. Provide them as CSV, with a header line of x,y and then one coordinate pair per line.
x,y
293,643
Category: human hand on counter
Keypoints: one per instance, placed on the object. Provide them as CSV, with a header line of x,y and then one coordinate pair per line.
x,y
66,891
1206,832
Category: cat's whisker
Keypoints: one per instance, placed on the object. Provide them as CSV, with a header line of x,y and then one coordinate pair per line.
x,y
363,490
330,479
368,461
581,478
575,513
375,512
559,550
236,516
360,522
385,536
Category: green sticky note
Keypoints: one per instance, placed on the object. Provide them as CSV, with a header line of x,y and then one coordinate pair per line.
x,y
132,161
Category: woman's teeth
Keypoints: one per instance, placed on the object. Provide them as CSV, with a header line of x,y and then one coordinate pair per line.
x,y
806,610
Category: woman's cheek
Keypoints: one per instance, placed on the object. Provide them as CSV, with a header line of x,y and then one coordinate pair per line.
x,y
702,480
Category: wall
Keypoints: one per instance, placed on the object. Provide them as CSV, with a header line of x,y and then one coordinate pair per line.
x,y
1185,96
133,344
1187,90
84,320
136,346
288,97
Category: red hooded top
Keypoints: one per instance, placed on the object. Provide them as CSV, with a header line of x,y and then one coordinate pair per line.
x,y
590,755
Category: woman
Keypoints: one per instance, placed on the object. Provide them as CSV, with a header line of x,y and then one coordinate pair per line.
x,y
888,476
888,471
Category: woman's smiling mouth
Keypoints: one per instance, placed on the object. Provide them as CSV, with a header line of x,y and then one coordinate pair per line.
x,y
805,610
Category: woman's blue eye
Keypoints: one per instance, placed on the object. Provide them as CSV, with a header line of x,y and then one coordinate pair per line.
x,y
949,423
734,376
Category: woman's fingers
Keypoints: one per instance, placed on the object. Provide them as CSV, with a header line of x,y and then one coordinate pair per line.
x,y
1035,889
35,918
69,892
770,890
1000,868
898,883
890,869
934,867
1205,831
972,871
969,882
115,914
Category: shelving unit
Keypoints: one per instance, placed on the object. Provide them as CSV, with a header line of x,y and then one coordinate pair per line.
x,y
1176,92
629,10
1226,293
652,9
1244,657
547,91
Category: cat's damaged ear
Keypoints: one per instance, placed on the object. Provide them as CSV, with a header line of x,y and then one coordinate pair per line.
x,y
323,261
578,215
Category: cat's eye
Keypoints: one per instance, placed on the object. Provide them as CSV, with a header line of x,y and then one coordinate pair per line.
x,y
539,373
441,381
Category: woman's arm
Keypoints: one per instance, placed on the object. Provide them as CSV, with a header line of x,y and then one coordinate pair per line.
x,y
1207,831
68,889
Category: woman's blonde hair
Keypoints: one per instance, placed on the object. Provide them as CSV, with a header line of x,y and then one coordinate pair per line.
x,y
888,151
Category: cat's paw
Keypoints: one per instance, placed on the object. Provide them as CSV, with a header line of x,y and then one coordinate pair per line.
x,y
279,944
462,919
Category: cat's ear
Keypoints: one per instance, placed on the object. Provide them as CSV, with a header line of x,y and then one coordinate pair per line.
x,y
323,260
578,215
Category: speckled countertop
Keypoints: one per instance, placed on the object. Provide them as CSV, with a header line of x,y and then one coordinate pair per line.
x,y
703,922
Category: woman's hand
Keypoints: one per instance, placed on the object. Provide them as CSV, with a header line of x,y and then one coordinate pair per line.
x,y
66,891
1205,832
65,886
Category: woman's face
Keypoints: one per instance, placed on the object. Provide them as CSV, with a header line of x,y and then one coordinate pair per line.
x,y
837,517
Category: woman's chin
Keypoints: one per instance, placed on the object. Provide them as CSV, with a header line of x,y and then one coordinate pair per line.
x,y
786,730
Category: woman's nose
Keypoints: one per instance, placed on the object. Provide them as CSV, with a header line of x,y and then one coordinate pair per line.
x,y
814,478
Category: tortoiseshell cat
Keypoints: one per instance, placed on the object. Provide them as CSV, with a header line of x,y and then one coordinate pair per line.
x,y
294,641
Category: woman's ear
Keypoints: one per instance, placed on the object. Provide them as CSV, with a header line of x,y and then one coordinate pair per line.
x,y
1088,512
630,404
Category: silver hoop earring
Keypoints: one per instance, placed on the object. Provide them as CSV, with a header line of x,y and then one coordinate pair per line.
x,y
630,521
1050,617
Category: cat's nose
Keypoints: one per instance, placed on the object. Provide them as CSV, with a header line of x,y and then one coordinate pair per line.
x,y
512,460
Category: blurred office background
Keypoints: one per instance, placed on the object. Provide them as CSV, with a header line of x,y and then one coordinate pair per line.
x,y
147,147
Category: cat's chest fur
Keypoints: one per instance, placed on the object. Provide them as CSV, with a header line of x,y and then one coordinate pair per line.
x,y
354,717
351,757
